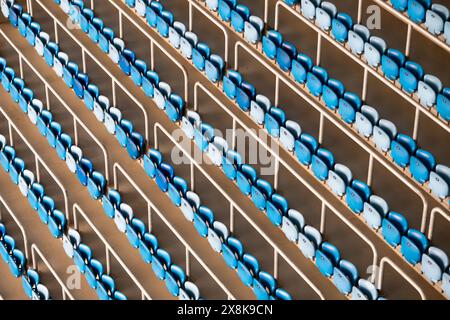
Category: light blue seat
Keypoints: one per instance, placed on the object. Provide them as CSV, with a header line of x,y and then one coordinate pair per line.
x,y
325,14
71,241
54,131
62,145
187,43
402,148
332,91
289,133
268,281
434,263
446,284
123,131
161,262
436,17
16,88
7,155
440,181
270,42
15,11
239,15
374,49
148,245
70,71
309,241
151,162
213,5
340,26
357,38
261,192
57,223
23,21
345,276
175,279
149,82
292,224
391,62
447,32
365,290
383,134
308,8
203,134
253,29
138,70
301,66
85,18
8,76
258,108
339,178
80,83
372,216
248,269
95,27
410,74
327,257
365,120
414,244
232,251
6,247
428,90
394,226
281,294
322,162
175,33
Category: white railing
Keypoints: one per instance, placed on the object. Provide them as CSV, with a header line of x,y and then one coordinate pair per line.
x,y
19,224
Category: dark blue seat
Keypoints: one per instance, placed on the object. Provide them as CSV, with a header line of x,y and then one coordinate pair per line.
x,y
261,192
135,231
273,121
239,15
300,68
276,208
391,62
285,54
394,226
57,223
148,245
152,160
421,164
322,163
410,75
200,54
443,104
245,177
356,194
231,164
345,276
327,258
138,70
177,189
414,244
245,93
332,92
402,148
111,202
248,269
45,208
82,257
231,81
126,59
316,79
270,42
152,12
340,26
163,22
305,147
232,251
417,10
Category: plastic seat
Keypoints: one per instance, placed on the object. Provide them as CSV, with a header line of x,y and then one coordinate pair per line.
x,y
245,177
341,25
372,216
135,231
245,93
127,57
175,33
356,194
301,67
214,68
231,81
345,276
383,134
248,269
339,179
106,287
232,251
15,169
305,147
57,223
365,120
274,119
324,15
440,181
261,192
259,107
239,15
96,185
276,208
410,74
148,244
111,202
17,263
443,104
200,54
414,244
187,43
45,208
428,90
213,5
399,5
71,241
289,133
332,91
94,273
402,149
203,219
391,62
285,53
434,263
82,256
30,280
327,257
231,164
35,195
365,290
394,226
357,38
163,22
253,29
308,8
322,163
270,42
417,10
225,7
152,12
105,39
309,241
421,164
315,80
84,169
